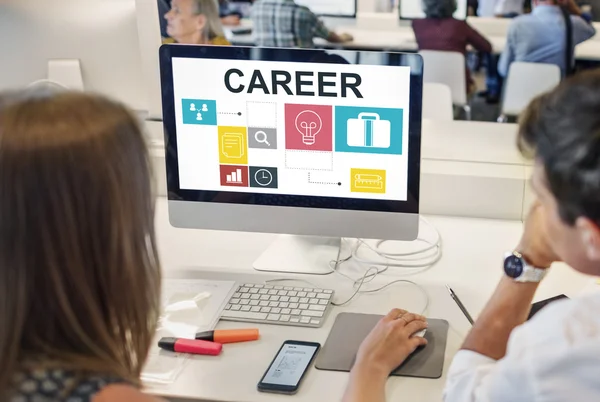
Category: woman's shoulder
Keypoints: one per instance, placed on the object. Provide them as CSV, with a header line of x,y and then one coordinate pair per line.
x,y
123,393
220,41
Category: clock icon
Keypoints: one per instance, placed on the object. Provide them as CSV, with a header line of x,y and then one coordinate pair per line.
x,y
263,177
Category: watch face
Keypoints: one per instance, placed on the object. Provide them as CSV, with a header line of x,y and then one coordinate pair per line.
x,y
513,266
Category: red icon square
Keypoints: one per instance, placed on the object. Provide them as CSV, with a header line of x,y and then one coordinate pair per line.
x,y
234,176
308,127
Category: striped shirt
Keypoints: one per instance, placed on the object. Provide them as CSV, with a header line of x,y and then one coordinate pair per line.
x,y
283,23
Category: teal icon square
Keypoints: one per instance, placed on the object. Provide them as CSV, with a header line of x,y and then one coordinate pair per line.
x,y
199,111
368,130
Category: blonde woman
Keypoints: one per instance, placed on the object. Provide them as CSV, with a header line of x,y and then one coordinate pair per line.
x,y
195,22
79,273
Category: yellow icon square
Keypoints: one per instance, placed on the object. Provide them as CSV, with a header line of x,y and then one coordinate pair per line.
x,y
367,181
233,145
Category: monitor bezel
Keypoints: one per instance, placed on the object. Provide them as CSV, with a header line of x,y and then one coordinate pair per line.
x,y
170,51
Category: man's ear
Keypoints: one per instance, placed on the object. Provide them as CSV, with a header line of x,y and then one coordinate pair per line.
x,y
590,237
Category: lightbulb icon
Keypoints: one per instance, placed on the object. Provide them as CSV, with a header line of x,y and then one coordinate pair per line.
x,y
308,124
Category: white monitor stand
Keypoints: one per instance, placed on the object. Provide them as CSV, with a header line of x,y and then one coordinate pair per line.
x,y
300,255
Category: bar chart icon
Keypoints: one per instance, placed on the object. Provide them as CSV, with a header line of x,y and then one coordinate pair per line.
x,y
234,176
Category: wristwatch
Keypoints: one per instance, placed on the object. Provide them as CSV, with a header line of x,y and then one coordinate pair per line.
x,y
519,270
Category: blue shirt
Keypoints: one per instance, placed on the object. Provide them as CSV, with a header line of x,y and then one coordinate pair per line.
x,y
540,37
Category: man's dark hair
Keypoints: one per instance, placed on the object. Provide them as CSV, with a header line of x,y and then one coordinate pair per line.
x,y
561,129
439,8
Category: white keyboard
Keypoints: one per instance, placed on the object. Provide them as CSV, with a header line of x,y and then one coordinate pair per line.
x,y
281,305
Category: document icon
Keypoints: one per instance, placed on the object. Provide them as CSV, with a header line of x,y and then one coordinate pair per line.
x,y
233,145
367,181
369,131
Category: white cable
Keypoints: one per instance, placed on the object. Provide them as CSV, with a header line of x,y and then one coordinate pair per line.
x,y
48,82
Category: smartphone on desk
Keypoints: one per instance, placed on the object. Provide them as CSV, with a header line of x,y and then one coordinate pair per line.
x,y
287,370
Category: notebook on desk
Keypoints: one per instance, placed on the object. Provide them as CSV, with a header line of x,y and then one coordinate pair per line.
x,y
351,329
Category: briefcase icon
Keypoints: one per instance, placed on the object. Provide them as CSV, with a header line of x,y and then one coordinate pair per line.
x,y
369,131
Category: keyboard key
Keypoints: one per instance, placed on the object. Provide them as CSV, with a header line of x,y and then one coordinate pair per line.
x,y
279,287
294,300
302,294
304,300
246,296
254,302
295,319
254,291
236,295
285,318
255,309
323,296
263,291
282,293
298,289
273,304
286,311
244,290
305,320
309,313
324,302
234,301
269,287
314,321
284,299
292,293
314,301
244,315
329,291
236,307
265,310
246,308
303,306
311,295
259,286
273,317
276,310
317,290
293,305
244,302
263,303
288,288
247,285
317,308
255,297
275,298
296,312
308,289
228,307
284,305
265,297
273,292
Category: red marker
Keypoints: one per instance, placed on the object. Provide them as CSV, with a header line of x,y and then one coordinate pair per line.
x,y
192,346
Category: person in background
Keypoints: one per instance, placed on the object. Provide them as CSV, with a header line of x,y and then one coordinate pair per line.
x,y
500,8
228,17
283,23
195,22
79,271
555,356
540,37
441,31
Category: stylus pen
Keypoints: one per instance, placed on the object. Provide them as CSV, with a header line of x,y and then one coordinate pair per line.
x,y
460,305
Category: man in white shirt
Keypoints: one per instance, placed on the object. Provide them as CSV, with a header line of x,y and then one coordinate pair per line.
x,y
555,357
500,8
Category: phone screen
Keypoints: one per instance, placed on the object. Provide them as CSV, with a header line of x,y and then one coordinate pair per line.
x,y
290,364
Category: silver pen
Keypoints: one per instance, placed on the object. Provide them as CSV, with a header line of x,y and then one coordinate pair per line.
x,y
460,305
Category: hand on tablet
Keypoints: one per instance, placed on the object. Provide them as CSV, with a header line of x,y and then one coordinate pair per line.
x,y
390,342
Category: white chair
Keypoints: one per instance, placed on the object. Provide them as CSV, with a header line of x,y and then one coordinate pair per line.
x,y
526,81
437,102
448,68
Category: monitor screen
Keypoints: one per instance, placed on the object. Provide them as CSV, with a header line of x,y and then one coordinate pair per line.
x,y
304,129
413,9
332,8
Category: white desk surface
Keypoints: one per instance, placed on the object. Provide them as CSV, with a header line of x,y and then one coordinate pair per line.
x,y
473,249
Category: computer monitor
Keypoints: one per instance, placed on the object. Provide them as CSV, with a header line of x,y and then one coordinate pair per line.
x,y
100,34
331,8
293,141
413,9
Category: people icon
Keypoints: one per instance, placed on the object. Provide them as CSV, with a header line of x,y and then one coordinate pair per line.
x,y
199,116
204,108
192,107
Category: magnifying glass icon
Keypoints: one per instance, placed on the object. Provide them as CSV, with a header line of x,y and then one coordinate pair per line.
x,y
261,138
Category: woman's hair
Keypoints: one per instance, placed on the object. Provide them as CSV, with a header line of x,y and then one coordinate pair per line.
x,y
439,8
79,272
210,10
